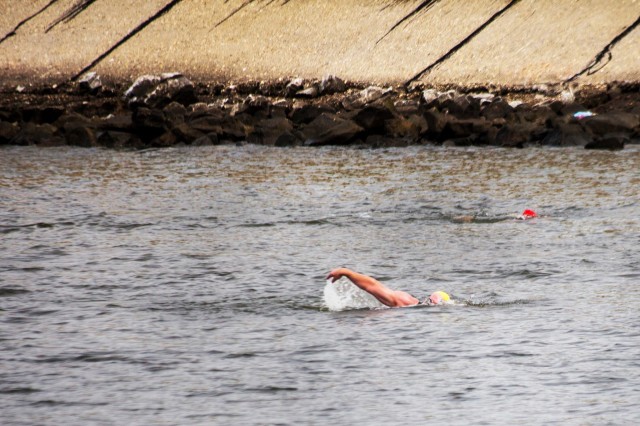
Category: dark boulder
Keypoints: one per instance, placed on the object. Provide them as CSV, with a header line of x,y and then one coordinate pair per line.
x,y
149,123
206,140
268,132
330,129
38,134
185,133
610,142
371,118
80,135
499,108
436,123
411,128
122,122
566,134
514,135
7,132
288,139
603,124
461,128
42,114
175,113
382,141
308,112
119,140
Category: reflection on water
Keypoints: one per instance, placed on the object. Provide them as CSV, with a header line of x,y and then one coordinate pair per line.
x,y
186,286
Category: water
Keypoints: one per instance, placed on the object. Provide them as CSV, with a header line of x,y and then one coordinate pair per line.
x,y
186,286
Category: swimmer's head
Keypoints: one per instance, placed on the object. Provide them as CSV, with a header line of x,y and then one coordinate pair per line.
x,y
527,214
438,298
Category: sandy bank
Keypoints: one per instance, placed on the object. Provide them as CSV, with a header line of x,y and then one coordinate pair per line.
x,y
482,42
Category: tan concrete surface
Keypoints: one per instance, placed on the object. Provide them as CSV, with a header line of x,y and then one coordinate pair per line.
x,y
535,41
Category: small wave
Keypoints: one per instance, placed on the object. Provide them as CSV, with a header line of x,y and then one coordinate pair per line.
x,y
8,291
19,390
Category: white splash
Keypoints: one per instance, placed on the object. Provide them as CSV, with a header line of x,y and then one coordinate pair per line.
x,y
343,295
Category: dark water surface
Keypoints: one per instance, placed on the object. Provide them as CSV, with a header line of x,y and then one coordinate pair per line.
x,y
185,286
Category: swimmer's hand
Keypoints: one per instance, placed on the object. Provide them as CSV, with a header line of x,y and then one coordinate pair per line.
x,y
336,274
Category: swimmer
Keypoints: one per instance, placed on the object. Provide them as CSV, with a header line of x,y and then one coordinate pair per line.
x,y
387,296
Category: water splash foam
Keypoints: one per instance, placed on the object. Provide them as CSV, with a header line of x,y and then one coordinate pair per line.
x,y
344,295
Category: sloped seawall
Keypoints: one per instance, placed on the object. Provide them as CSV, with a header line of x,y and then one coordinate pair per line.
x,y
459,42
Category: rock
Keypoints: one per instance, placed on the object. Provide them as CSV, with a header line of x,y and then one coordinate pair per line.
x,y
307,113
79,135
185,133
267,132
172,88
381,141
411,128
463,127
365,96
406,107
293,87
514,135
461,106
309,92
371,118
610,142
330,129
255,105
436,122
331,84
287,139
603,124
158,91
234,130
373,93
142,87
149,123
38,134
210,123
483,98
165,140
7,132
429,97
499,108
90,83
175,112
121,122
42,114
564,134
206,140
119,140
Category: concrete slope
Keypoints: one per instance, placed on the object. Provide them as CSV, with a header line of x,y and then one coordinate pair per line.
x,y
462,42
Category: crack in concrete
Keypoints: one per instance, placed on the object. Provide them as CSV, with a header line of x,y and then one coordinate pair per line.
x,y
233,12
24,21
75,10
462,43
126,38
591,69
422,7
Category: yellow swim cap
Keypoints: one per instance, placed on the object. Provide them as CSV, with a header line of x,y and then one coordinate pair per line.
x,y
439,297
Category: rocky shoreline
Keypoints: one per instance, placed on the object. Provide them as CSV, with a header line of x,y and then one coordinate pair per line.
x,y
170,110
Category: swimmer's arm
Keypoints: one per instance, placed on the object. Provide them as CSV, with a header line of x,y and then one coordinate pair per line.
x,y
374,287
